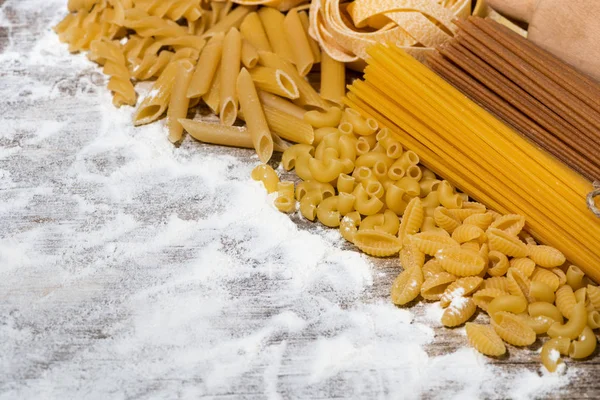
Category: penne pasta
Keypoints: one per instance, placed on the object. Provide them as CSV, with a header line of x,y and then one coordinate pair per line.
x,y
274,81
179,102
232,20
272,22
302,54
283,105
230,67
253,31
249,54
208,63
255,117
333,79
289,127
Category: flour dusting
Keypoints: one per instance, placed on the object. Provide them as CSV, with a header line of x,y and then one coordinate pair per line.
x,y
130,268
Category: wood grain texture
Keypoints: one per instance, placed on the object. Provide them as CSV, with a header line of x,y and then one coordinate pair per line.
x,y
107,278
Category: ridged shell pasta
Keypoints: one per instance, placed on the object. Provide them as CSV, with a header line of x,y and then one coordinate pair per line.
x,y
444,220
458,312
482,221
594,296
431,242
496,282
467,233
546,256
484,297
512,224
468,209
460,262
506,243
547,277
412,219
431,268
485,339
518,284
498,263
434,286
525,265
407,286
377,243
565,300
512,329
461,287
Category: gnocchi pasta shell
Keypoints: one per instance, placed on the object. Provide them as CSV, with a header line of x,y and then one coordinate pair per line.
x,y
506,243
466,233
431,242
460,287
444,220
512,329
498,263
545,276
468,209
410,256
431,268
565,300
460,262
458,312
482,221
518,284
512,224
484,297
593,293
525,265
434,286
485,339
496,282
407,286
377,243
412,219
546,256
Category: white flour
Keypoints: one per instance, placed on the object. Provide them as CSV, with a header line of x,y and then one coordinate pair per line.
x,y
133,269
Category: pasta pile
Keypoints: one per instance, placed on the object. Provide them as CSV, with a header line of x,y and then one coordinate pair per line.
x,y
242,61
358,178
346,29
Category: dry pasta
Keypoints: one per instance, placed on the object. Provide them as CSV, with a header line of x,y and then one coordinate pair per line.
x,y
485,339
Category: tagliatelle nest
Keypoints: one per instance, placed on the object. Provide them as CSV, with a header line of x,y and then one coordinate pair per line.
x,y
346,30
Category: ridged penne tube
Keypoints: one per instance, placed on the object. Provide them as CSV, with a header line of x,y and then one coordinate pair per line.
x,y
435,285
546,277
510,303
265,174
448,198
506,243
575,277
309,203
377,243
524,264
445,220
179,102
255,117
461,287
252,30
539,291
565,300
230,66
412,218
274,81
483,297
208,63
431,268
349,224
546,256
551,351
232,20
459,262
249,55
283,105
326,119
410,256
333,79
288,127
431,242
510,223
485,339
302,53
314,45
466,233
574,326
308,95
483,221
362,126
364,204
327,212
512,329
156,101
219,134
458,312
212,98
407,286
272,21
584,346
290,155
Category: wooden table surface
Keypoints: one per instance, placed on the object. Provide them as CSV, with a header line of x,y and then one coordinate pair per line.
x,y
102,232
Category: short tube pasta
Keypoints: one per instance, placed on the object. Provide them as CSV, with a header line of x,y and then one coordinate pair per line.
x,y
265,174
208,63
255,117
288,127
252,30
230,67
333,79
179,102
156,101
584,346
272,21
283,105
274,81
302,53
249,55
551,351
574,326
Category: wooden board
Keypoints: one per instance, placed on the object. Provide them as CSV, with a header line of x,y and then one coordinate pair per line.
x,y
102,230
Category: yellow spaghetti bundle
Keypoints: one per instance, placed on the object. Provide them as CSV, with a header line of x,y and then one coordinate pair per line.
x,y
466,145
